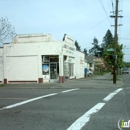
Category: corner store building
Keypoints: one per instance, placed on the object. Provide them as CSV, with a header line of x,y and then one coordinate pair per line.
x,y
39,58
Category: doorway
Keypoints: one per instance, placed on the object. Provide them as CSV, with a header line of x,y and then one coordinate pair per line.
x,y
53,72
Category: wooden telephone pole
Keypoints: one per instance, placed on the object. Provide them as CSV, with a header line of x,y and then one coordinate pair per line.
x,y
115,41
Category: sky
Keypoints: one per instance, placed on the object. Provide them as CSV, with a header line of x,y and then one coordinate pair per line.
x,y
81,19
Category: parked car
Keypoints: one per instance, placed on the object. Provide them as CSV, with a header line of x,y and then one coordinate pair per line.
x,y
89,73
125,71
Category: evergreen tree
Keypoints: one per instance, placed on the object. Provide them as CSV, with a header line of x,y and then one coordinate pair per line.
x,y
127,64
96,48
77,46
119,54
107,40
85,52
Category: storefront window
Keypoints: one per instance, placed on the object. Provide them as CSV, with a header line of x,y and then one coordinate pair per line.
x,y
45,69
71,69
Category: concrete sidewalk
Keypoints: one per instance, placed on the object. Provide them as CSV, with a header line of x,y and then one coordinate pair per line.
x,y
100,81
96,81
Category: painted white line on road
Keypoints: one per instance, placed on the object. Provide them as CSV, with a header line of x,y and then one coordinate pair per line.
x,y
118,90
107,98
27,101
82,121
69,90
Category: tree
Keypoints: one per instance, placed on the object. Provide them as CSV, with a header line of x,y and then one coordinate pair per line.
x,y
119,54
77,46
127,64
99,64
7,32
85,52
107,40
95,49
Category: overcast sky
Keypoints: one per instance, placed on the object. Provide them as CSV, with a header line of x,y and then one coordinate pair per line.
x,y
81,19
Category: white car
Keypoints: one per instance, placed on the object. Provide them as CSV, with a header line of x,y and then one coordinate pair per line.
x,y
89,73
125,71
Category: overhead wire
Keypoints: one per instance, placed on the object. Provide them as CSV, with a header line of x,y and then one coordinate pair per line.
x,y
120,20
113,6
97,23
90,27
111,10
101,2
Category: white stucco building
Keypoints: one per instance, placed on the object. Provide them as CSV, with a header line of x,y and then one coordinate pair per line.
x,y
39,58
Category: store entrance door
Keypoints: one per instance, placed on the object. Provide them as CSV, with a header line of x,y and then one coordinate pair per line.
x,y
53,72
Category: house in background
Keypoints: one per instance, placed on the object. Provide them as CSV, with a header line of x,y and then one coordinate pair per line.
x,y
90,62
100,64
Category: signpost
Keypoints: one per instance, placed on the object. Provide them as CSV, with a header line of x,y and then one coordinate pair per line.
x,y
114,58
110,50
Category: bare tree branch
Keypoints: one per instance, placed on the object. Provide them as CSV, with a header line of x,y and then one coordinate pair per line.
x,y
7,31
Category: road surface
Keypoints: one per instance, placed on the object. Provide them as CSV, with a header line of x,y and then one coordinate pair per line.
x,y
64,109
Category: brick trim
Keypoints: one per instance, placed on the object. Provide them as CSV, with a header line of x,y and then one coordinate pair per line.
x,y
5,81
61,79
40,80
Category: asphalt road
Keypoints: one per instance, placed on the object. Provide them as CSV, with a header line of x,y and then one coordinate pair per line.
x,y
58,109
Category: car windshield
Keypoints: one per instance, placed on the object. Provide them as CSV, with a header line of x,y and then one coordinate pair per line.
x,y
124,69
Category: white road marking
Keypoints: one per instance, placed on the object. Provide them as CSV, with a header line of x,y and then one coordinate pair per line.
x,y
27,101
107,98
69,90
82,121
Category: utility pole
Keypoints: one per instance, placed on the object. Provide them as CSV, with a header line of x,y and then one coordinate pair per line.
x,y
115,41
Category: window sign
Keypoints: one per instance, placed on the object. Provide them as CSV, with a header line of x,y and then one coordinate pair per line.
x,y
45,69
81,61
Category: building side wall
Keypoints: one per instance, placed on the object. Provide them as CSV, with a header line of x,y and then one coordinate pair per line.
x,y
1,65
24,68
1,69
45,48
23,62
79,65
86,65
1,51
32,38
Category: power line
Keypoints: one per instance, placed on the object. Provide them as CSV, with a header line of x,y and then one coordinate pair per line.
x,y
126,35
90,28
112,5
105,10
120,20
103,7
125,38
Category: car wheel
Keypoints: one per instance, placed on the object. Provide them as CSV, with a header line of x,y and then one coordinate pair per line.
x,y
89,75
